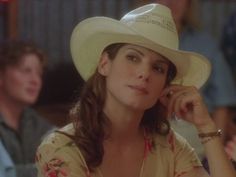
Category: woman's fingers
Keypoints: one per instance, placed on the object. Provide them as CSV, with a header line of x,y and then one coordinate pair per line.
x,y
181,107
185,103
177,99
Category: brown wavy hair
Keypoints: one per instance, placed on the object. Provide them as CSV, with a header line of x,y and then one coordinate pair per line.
x,y
91,124
12,51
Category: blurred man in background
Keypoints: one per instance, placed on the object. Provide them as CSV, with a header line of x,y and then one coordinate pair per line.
x,y
21,128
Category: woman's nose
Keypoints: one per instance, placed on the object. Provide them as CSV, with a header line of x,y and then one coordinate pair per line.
x,y
144,73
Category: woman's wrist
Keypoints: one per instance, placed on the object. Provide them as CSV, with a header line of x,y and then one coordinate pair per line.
x,y
208,132
210,126
208,136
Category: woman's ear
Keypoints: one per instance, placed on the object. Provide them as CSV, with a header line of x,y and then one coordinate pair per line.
x,y
104,64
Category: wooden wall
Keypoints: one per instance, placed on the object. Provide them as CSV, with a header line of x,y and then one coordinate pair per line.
x,y
50,22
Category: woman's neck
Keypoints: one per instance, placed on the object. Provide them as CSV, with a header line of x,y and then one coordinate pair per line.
x,y
125,123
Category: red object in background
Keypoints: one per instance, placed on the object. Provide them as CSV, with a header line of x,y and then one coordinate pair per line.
x,y
4,0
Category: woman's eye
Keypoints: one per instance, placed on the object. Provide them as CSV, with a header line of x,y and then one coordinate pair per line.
x,y
160,69
132,58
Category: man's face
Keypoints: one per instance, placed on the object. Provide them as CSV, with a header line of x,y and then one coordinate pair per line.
x,y
22,82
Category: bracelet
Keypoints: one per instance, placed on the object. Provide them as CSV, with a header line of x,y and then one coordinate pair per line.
x,y
207,139
210,134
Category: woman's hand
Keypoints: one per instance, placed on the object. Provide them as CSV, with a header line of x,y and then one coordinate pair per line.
x,y
186,103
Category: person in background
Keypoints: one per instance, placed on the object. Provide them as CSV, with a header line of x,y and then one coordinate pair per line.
x,y
228,45
135,79
21,128
6,165
228,42
219,92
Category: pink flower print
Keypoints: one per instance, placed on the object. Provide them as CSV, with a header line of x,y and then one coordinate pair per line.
x,y
56,168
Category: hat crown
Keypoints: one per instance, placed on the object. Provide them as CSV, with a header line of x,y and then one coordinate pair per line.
x,y
155,22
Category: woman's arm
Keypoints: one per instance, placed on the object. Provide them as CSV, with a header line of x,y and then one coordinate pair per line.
x,y
187,103
217,159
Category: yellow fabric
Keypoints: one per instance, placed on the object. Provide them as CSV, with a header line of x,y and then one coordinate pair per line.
x,y
58,156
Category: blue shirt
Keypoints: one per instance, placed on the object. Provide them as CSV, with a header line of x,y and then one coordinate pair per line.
x,y
6,164
21,145
228,42
220,90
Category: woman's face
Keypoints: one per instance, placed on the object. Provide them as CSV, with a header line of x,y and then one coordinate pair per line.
x,y
22,83
135,77
178,8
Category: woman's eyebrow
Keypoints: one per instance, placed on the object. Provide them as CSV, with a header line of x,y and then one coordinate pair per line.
x,y
162,61
141,53
159,60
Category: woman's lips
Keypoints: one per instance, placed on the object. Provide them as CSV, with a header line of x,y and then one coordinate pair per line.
x,y
140,89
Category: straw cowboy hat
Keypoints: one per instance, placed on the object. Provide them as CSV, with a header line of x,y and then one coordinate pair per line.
x,y
150,26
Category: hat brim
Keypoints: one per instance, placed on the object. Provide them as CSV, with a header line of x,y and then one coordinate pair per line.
x,y
92,35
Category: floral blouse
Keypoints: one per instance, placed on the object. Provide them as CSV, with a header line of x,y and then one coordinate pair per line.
x,y
58,156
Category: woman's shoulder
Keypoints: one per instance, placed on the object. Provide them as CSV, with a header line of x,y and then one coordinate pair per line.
x,y
59,154
59,144
59,137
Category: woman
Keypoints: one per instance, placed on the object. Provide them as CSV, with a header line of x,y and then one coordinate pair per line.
x,y
133,69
